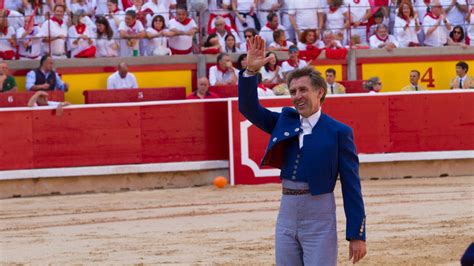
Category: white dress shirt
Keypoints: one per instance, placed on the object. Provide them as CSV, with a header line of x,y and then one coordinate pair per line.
x,y
117,82
307,125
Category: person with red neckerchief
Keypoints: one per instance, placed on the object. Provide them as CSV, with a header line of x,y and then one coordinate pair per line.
x,y
470,25
223,73
182,30
55,31
272,25
294,62
131,32
115,16
7,40
407,25
381,39
80,36
222,30
29,40
279,42
436,26
337,19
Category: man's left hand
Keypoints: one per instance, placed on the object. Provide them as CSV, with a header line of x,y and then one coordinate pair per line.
x,y
357,250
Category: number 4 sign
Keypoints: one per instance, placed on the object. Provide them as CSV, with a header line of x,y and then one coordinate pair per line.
x,y
428,77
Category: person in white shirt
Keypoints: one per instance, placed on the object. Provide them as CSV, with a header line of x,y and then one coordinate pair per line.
x,y
308,40
131,31
29,40
87,6
106,45
265,7
245,16
373,85
381,39
103,9
114,16
15,18
285,20
156,7
407,26
272,24
219,8
436,26
182,30
470,24
328,41
222,30
305,14
279,42
337,19
360,13
455,10
30,6
293,62
7,40
271,71
223,73
122,79
55,33
230,45
158,37
80,36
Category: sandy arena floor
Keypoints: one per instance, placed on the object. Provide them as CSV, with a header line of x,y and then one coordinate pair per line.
x,y
410,221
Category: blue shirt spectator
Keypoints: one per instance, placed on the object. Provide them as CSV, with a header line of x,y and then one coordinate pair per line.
x,y
45,78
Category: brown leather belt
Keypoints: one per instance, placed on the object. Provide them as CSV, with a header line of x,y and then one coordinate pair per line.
x,y
295,192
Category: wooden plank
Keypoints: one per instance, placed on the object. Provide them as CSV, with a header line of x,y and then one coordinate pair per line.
x,y
16,151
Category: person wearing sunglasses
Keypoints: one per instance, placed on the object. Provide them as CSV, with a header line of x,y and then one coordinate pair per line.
x,y
373,85
456,37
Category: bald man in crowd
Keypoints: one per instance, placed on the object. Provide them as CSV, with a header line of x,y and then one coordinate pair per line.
x,y
122,79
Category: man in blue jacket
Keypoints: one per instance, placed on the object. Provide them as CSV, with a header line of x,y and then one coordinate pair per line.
x,y
311,149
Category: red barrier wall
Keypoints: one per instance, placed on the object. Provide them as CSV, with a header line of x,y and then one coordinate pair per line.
x,y
134,95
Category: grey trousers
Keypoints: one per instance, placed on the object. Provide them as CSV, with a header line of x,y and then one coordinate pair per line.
x,y
306,230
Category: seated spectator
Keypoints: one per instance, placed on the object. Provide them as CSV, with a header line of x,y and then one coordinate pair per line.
x,y
223,30
131,32
182,31
373,85
83,6
245,16
271,71
55,32
80,36
262,90
462,80
241,63
211,45
230,45
6,80
45,78
248,33
333,86
7,40
308,40
29,40
122,79
457,38
407,26
436,26
40,98
379,17
219,8
356,43
338,19
381,39
273,24
293,62
279,42
106,45
414,85
202,91
142,14
223,73
158,35
328,41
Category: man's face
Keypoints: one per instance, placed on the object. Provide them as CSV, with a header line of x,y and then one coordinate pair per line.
x,y
293,54
42,100
460,71
382,32
414,77
328,38
123,70
129,20
48,64
330,77
220,25
3,69
225,62
436,10
274,22
305,98
59,12
203,86
137,2
181,15
111,6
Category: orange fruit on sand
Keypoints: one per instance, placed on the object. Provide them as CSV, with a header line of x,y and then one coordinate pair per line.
x,y
220,181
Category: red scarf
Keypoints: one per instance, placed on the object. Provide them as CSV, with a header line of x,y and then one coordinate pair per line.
x,y
185,22
60,22
430,14
261,86
126,4
80,28
295,65
310,47
133,24
271,68
4,30
333,9
284,44
221,70
380,38
116,10
358,1
270,27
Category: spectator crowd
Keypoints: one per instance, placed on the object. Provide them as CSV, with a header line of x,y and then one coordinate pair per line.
x,y
107,28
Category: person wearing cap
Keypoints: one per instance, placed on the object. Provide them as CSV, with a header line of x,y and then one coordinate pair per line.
x,y
294,62
373,85
414,85
436,26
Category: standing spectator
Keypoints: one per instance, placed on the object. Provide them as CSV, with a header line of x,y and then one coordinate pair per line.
x,y
285,20
249,33
15,18
157,35
7,39
279,42
308,40
222,30
267,7
292,63
381,39
103,7
202,91
373,85
455,10
156,7
106,45
379,17
29,40
436,26
29,6
457,37
230,45
241,63
407,26
131,31
271,71
55,32
305,14
80,36
470,24
328,41
333,86
414,85
462,80
45,78
338,19
219,8
223,73
122,79
182,30
211,45
7,81
86,6
245,15
360,13
114,16
270,27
